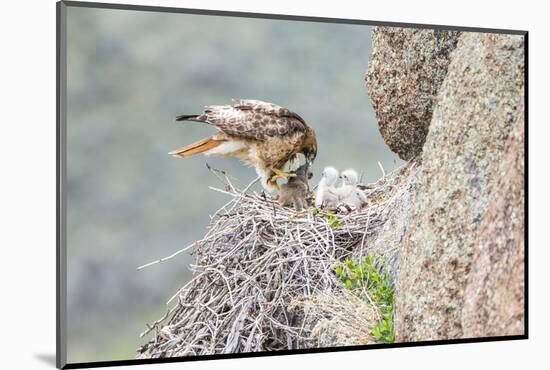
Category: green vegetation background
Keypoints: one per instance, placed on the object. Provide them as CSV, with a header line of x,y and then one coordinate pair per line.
x,y
129,74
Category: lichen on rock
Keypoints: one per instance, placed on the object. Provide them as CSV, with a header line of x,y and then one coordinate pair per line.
x,y
495,302
406,68
478,105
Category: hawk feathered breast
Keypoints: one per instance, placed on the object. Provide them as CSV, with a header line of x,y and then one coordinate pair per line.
x,y
261,134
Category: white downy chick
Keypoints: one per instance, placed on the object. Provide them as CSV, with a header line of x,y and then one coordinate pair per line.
x,y
349,193
326,191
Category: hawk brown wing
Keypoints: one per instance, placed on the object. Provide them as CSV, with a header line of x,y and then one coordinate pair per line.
x,y
250,119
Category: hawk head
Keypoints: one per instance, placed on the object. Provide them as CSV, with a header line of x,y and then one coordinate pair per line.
x,y
309,148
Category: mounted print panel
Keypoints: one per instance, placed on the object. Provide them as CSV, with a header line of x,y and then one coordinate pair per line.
x,y
235,184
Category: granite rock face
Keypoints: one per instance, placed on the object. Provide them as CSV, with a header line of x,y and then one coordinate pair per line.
x,y
458,195
494,304
406,69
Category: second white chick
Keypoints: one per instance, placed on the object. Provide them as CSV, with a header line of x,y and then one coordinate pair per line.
x,y
326,191
349,193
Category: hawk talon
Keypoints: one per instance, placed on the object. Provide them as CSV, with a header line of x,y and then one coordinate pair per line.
x,y
275,185
281,175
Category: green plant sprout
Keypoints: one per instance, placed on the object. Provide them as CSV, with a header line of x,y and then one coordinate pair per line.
x,y
332,219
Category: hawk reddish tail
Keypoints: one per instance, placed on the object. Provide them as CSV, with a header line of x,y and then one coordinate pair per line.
x,y
196,147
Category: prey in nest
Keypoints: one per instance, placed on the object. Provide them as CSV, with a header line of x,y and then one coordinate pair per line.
x,y
296,191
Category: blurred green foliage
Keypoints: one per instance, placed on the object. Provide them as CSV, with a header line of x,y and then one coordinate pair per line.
x,y
129,74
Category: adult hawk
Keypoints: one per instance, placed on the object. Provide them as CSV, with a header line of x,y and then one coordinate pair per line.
x,y
261,134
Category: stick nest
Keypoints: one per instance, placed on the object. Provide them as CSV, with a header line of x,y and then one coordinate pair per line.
x,y
263,278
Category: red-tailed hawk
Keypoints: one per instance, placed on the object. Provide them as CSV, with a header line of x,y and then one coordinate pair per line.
x,y
261,134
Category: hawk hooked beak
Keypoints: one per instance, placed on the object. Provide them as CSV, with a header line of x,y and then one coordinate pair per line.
x,y
310,157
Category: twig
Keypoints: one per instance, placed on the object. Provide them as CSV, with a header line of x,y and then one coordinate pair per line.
x,y
166,258
382,169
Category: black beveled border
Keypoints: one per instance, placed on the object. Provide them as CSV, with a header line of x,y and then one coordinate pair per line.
x,y
61,211
288,352
224,13
61,141
526,185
